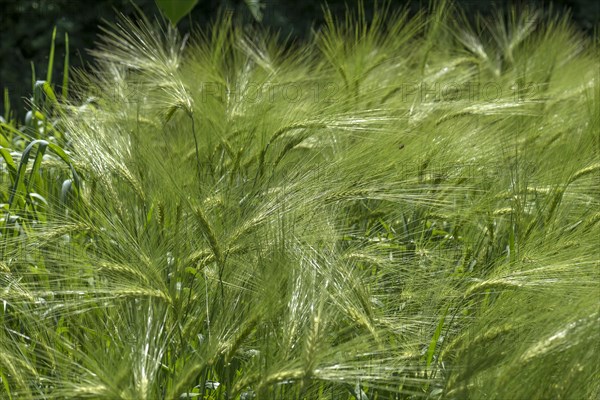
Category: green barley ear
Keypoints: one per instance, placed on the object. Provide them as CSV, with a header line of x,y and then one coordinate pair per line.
x,y
592,169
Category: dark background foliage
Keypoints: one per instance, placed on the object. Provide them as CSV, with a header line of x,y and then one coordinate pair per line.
x,y
26,27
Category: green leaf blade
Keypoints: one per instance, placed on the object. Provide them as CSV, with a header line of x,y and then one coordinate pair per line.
x,y
175,10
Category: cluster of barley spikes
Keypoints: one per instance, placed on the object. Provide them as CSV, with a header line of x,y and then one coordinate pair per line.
x,y
401,208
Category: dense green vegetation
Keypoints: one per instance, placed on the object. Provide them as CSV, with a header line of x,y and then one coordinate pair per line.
x,y
26,25
403,207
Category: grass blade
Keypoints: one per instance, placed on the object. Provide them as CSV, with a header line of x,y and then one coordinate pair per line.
x,y
65,83
51,58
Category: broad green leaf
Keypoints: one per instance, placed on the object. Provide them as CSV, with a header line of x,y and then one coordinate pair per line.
x,y
4,380
19,186
4,141
13,130
65,189
45,88
38,197
37,162
176,9
63,156
10,164
256,9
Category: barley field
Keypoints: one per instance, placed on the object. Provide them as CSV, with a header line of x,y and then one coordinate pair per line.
x,y
403,207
